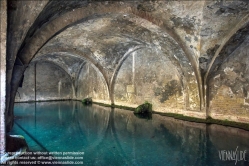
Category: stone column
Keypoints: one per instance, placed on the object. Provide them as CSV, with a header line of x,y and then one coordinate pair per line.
x,y
3,34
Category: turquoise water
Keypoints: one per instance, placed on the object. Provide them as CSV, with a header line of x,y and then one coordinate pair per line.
x,y
116,137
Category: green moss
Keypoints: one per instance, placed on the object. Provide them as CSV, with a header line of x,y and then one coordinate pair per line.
x,y
182,117
123,107
143,108
115,106
87,101
102,104
244,126
144,111
209,120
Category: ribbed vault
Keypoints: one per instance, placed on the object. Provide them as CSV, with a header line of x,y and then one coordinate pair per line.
x,y
126,52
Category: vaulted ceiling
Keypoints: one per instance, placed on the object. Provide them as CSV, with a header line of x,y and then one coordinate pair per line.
x,y
195,36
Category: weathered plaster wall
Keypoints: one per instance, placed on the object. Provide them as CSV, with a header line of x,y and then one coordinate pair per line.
x,y
149,75
146,75
27,91
45,81
229,87
52,83
91,83
218,22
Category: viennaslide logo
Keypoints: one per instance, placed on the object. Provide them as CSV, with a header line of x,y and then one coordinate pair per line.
x,y
232,155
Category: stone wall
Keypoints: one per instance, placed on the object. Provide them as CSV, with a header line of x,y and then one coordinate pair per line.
x,y
91,83
52,83
229,87
149,75
46,81
145,75
27,91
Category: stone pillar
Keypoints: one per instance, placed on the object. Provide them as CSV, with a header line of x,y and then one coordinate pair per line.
x,y
3,34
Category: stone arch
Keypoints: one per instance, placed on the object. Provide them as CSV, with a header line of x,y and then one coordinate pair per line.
x,y
224,51
56,64
78,54
183,46
85,57
92,84
228,87
56,25
62,68
114,76
244,22
175,58
30,91
126,96
139,47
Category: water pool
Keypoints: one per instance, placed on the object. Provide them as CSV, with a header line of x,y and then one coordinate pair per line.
x,y
116,137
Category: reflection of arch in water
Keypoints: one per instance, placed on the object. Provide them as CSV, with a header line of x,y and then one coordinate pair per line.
x,y
110,135
237,137
125,123
159,131
92,120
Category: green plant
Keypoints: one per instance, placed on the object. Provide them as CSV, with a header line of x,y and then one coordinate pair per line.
x,y
144,108
87,101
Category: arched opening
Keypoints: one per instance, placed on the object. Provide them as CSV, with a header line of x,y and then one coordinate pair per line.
x,y
36,86
187,58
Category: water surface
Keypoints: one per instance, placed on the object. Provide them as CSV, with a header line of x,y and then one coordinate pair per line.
x,y
117,137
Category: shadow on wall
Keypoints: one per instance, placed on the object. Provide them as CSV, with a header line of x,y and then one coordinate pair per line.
x,y
44,81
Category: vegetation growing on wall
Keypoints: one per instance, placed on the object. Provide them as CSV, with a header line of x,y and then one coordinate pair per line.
x,y
209,120
143,108
87,101
144,111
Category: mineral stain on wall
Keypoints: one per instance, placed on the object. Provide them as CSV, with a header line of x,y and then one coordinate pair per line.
x,y
159,84
230,86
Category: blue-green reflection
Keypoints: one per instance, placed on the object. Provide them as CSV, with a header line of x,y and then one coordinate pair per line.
x,y
117,137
